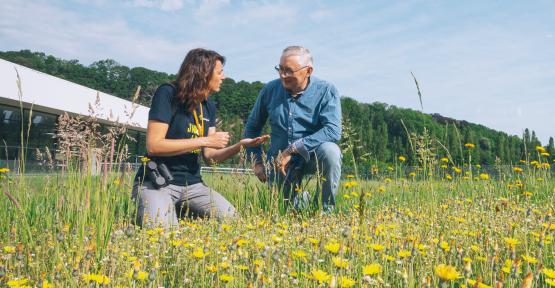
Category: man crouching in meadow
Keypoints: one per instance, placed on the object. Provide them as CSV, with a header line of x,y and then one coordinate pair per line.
x,y
305,122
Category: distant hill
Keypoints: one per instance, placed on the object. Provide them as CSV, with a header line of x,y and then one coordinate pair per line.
x,y
377,132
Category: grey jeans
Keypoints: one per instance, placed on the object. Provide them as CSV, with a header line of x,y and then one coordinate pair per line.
x,y
165,205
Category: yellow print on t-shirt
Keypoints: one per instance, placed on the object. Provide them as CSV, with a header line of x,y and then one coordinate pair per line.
x,y
193,130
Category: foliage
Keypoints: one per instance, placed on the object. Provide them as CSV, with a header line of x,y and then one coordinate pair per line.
x,y
382,131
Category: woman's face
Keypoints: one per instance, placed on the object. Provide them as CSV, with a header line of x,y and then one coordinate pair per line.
x,y
217,77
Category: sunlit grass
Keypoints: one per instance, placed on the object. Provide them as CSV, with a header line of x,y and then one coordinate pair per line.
x,y
74,230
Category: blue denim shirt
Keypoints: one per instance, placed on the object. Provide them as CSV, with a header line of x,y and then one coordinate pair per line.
x,y
302,122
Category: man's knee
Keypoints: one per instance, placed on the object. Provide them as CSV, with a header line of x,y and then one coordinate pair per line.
x,y
329,154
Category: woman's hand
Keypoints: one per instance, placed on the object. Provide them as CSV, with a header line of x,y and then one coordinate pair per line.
x,y
217,140
253,142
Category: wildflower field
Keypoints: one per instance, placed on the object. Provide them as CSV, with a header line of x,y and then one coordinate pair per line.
x,y
396,229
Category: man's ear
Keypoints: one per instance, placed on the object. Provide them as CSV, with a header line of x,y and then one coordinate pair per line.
x,y
309,70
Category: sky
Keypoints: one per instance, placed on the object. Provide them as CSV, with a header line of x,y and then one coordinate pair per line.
x,y
486,62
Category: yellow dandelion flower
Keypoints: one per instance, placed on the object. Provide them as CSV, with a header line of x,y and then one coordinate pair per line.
x,y
511,242
388,257
372,269
469,145
402,158
550,282
18,283
332,247
447,272
243,267
484,176
4,170
314,242
345,282
9,249
226,278
299,254
98,278
141,275
225,264
550,273
242,242
444,160
404,254
276,239
340,263
540,149
320,276
376,247
199,253
517,169
530,259
527,193
444,246
474,283
212,268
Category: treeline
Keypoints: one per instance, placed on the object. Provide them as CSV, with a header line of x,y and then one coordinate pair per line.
x,y
376,133
107,76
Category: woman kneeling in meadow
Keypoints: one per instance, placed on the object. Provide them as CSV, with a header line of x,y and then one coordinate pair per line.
x,y
181,128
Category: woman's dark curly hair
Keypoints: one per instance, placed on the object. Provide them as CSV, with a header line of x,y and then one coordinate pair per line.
x,y
194,75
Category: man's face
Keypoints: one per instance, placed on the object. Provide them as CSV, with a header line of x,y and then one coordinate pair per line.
x,y
293,74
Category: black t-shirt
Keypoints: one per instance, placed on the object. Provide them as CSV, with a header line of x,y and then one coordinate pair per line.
x,y
185,168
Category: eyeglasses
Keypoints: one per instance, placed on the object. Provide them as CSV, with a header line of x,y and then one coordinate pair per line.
x,y
288,72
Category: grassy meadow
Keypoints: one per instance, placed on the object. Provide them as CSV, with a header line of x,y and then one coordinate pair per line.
x,y
464,228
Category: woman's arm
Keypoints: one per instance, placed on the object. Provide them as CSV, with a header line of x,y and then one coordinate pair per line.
x,y
158,145
218,155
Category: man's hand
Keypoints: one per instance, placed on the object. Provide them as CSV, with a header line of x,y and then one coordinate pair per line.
x,y
259,172
282,161
253,142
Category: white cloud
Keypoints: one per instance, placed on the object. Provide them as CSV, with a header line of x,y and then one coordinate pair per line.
x,y
70,35
164,5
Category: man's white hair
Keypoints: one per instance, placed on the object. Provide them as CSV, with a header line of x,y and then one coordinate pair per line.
x,y
303,53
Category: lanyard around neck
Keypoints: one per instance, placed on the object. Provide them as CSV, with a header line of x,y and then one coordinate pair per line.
x,y
199,124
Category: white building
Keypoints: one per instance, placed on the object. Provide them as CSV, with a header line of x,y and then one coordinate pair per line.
x,y
49,97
